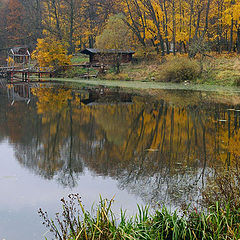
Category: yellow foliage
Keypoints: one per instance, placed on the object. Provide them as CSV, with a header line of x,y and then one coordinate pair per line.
x,y
51,53
10,61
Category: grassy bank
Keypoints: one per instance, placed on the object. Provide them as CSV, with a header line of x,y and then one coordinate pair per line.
x,y
214,70
211,70
77,223
145,85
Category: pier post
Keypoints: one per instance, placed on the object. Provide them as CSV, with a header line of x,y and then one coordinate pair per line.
x,y
11,77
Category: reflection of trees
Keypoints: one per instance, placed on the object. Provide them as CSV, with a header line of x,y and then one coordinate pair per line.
x,y
3,114
155,150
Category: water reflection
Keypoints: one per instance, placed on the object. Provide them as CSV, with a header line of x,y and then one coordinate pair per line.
x,y
19,92
159,150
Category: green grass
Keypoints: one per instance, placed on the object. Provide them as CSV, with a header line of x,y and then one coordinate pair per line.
x,y
101,223
78,59
77,72
221,70
151,85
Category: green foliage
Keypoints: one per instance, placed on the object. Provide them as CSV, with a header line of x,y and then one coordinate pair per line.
x,y
77,223
179,70
116,34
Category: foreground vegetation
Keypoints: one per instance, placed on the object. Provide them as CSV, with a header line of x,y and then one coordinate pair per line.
x,y
77,223
220,220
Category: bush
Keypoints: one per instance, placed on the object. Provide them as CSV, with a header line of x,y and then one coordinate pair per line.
x,y
179,70
223,187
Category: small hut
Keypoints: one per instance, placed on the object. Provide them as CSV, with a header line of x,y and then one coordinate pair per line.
x,y
108,56
18,56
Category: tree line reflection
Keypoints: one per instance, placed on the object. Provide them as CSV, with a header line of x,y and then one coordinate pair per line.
x,y
155,149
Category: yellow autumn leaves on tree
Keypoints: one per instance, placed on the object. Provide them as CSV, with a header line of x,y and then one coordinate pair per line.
x,y
164,26
51,53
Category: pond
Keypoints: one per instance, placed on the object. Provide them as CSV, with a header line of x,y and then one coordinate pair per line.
x,y
140,148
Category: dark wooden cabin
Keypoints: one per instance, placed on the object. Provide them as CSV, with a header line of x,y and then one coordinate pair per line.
x,y
108,56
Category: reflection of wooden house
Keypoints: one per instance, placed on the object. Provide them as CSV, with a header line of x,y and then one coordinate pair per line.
x,y
19,92
108,56
18,55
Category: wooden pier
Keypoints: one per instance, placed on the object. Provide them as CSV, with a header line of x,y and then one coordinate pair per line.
x,y
14,74
23,74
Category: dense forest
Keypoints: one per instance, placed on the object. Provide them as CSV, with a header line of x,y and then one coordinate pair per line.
x,y
164,26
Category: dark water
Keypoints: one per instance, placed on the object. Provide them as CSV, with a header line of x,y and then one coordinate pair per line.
x,y
55,140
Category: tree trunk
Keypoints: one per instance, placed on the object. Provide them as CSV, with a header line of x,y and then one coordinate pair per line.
x,y
152,12
166,26
59,32
190,22
238,39
71,45
231,37
91,41
174,27
138,27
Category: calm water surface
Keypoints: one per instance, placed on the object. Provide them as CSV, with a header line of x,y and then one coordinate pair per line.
x,y
55,140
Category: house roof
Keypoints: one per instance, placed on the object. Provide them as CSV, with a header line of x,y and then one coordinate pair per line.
x,y
22,50
95,50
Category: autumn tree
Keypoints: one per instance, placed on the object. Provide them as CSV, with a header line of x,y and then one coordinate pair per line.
x,y
16,25
95,14
231,19
115,35
61,20
136,20
51,53
33,18
164,25
3,24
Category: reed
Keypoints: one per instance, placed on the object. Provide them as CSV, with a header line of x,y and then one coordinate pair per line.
x,y
75,223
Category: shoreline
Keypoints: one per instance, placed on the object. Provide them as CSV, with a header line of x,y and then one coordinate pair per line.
x,y
147,85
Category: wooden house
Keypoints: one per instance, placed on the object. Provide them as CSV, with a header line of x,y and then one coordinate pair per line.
x,y
18,56
108,56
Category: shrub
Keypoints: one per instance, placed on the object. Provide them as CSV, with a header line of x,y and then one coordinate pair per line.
x,y
224,187
179,70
